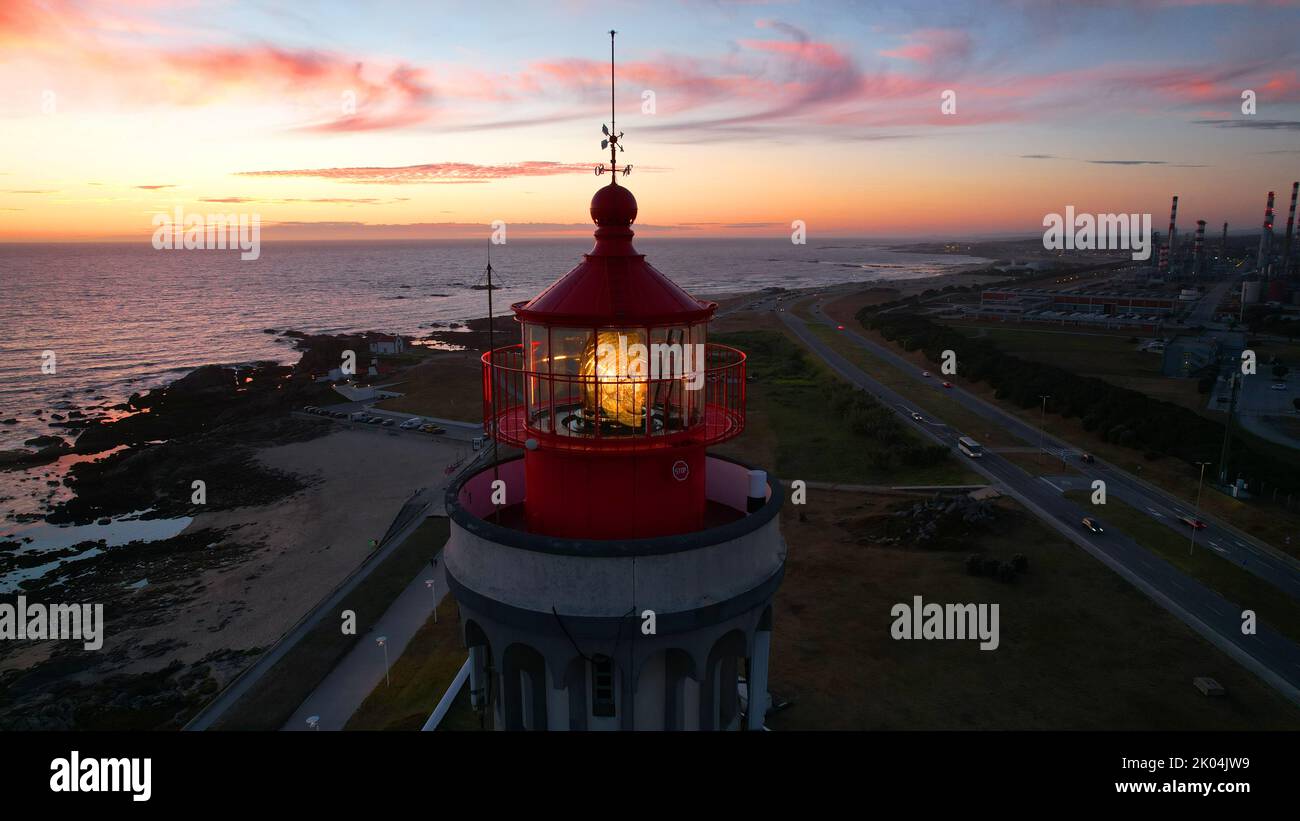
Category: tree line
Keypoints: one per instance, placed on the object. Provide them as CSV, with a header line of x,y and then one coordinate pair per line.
x,y
1119,415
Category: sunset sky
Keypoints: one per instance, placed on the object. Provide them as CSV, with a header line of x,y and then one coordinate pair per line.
x,y
765,112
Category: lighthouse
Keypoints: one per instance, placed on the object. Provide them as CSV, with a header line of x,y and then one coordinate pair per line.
x,y
612,573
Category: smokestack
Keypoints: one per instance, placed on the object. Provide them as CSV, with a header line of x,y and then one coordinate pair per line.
x,y
1169,241
1290,225
1197,248
1266,238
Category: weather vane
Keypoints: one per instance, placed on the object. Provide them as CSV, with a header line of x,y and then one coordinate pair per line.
x,y
613,137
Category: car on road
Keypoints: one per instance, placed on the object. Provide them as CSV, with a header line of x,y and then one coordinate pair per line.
x,y
947,384
374,420
436,430
918,417
388,423
1192,522
1277,386
411,424
1092,524
1086,458
926,374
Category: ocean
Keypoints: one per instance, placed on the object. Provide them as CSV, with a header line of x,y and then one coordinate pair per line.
x,y
124,318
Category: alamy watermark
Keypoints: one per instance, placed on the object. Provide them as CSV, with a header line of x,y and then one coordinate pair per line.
x,y
946,621
1098,232
660,360
58,622
128,775
208,232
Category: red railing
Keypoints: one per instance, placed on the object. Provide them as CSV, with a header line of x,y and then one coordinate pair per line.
x,y
585,411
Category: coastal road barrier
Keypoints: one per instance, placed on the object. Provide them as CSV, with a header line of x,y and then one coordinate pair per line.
x,y
900,489
448,698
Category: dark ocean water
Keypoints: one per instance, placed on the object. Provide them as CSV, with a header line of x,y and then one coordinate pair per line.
x,y
123,318
126,318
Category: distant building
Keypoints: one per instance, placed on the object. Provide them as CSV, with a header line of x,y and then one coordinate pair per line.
x,y
1187,356
385,344
1091,302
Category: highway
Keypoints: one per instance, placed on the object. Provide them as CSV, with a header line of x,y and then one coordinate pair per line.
x,y
1264,561
1270,655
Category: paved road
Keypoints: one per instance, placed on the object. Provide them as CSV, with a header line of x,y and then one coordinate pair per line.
x,y
1268,653
1208,305
1265,561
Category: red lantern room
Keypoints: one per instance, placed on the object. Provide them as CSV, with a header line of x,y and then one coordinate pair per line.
x,y
615,510
614,393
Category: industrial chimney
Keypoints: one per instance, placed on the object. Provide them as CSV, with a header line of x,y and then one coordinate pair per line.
x,y
1290,227
1198,248
1266,239
1168,257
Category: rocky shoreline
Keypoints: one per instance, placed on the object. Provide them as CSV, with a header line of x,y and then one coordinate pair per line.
x,y
206,426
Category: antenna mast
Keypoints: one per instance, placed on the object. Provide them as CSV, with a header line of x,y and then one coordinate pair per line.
x,y
492,355
613,138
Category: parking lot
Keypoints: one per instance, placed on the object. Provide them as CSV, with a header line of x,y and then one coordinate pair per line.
x,y
357,415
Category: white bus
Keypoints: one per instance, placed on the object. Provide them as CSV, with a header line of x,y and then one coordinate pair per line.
x,y
970,447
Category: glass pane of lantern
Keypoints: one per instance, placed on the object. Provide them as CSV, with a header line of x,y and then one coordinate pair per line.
x,y
615,372
568,347
696,399
668,363
538,363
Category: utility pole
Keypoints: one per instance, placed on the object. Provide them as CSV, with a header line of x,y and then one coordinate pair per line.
x,y
1197,516
1042,421
1227,429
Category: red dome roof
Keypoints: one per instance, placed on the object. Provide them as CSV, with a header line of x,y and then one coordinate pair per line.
x,y
614,285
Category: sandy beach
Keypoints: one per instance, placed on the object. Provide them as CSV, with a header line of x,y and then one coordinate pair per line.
x,y
306,544
360,478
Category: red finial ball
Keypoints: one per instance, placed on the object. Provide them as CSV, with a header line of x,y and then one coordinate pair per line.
x,y
613,206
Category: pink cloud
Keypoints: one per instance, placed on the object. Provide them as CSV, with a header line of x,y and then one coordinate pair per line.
x,y
932,46
447,172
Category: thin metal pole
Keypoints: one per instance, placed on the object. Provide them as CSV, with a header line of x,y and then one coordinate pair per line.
x,y
1197,516
612,124
1042,422
492,370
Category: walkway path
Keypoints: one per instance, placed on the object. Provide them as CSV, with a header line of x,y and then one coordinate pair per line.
x,y
362,670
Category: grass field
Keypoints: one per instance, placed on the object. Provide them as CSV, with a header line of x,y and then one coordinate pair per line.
x,y
1106,356
927,400
448,385
272,700
1040,464
419,678
1080,647
811,444
1232,582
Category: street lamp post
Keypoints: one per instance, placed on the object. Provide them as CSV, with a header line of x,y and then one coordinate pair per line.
x,y
433,590
1197,516
382,641
1042,424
